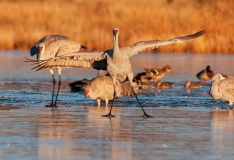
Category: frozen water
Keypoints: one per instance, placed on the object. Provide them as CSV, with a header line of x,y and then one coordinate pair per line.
x,y
187,123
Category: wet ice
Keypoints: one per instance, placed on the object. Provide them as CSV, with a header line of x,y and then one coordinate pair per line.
x,y
187,123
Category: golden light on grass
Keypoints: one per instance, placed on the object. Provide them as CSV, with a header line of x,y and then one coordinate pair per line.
x,y
23,22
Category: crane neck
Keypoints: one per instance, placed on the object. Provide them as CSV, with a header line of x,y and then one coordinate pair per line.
x,y
40,54
214,90
116,52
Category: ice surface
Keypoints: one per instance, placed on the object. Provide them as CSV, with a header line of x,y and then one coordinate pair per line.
x,y
186,123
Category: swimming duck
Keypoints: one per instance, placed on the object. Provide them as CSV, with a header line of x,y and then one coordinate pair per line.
x,y
189,84
161,84
156,73
144,85
145,76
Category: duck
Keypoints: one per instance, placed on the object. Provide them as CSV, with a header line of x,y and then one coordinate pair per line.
x,y
161,84
145,85
205,74
189,84
156,73
145,76
77,85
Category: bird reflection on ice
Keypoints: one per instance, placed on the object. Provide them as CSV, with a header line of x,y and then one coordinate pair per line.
x,y
61,131
222,129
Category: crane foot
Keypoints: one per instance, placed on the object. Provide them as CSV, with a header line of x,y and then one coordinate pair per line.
x,y
146,115
51,106
108,115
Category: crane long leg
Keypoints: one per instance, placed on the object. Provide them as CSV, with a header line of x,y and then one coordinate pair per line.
x,y
54,82
85,98
109,114
130,78
59,85
145,114
230,105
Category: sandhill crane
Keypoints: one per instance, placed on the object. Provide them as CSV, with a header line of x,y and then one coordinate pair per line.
x,y
102,88
49,47
189,84
205,74
77,86
222,87
115,61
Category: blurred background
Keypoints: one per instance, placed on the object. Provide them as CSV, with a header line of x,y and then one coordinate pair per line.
x,y
24,22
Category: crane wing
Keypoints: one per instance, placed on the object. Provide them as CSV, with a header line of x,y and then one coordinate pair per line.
x,y
144,45
68,46
227,86
76,60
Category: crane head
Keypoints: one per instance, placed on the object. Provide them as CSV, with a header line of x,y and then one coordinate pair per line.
x,y
115,31
40,47
33,50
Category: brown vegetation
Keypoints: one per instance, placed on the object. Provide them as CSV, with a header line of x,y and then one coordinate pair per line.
x,y
23,22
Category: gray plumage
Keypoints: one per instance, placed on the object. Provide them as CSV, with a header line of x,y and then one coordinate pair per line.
x,y
102,88
113,57
222,87
47,40
115,61
52,46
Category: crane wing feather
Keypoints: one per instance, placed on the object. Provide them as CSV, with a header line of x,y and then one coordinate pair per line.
x,y
144,45
68,47
227,86
76,60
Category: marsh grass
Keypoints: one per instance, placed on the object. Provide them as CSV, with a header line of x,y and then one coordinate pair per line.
x,y
23,22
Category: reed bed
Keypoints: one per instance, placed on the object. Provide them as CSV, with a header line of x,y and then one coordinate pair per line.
x,y
23,22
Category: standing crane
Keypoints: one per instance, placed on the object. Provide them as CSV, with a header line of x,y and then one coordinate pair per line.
x,y
102,88
52,46
115,61
222,87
